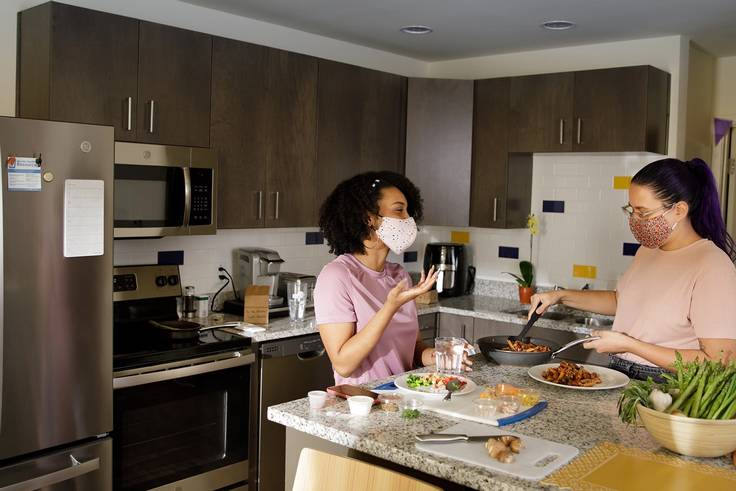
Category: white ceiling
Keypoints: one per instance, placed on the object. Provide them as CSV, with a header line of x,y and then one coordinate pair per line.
x,y
465,28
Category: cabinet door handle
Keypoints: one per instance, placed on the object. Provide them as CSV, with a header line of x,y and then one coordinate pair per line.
x,y
151,103
495,209
129,117
562,131
463,332
260,205
580,131
276,216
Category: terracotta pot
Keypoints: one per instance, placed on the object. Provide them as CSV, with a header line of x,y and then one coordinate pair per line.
x,y
525,294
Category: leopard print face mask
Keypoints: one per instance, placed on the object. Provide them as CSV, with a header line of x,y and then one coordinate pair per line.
x,y
652,233
398,234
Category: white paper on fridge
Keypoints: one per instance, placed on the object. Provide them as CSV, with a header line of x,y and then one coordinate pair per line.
x,y
84,217
24,173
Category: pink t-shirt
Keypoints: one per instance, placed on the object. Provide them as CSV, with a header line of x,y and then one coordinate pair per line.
x,y
348,291
672,298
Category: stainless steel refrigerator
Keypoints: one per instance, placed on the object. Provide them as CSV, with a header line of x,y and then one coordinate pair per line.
x,y
56,305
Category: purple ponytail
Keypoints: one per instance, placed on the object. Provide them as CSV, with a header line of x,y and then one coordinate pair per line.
x,y
673,180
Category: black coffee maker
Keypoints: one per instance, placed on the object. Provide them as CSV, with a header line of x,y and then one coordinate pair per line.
x,y
455,277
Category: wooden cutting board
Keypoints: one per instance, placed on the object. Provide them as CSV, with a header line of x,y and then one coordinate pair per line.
x,y
537,459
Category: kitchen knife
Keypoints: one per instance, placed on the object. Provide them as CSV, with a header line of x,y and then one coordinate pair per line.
x,y
454,438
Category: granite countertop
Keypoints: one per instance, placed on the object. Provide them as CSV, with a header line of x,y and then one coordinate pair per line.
x,y
578,418
500,309
482,307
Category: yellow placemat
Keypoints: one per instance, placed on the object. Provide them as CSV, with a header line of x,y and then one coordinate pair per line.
x,y
608,467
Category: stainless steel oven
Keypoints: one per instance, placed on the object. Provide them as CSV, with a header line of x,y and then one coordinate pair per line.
x,y
164,190
183,425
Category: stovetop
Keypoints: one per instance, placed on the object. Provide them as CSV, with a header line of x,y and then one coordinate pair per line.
x,y
136,346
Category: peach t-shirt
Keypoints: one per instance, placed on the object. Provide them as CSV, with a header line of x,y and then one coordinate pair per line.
x,y
672,298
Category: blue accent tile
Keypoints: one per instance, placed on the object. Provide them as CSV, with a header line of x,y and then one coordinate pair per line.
x,y
630,249
410,256
553,206
171,257
314,238
508,252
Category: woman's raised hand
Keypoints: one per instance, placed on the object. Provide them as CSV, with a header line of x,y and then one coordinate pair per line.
x,y
400,294
542,301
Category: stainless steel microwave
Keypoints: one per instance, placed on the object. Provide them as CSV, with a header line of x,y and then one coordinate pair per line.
x,y
164,190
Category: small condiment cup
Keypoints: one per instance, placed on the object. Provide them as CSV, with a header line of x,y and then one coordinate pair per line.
x,y
360,405
410,404
485,408
317,399
390,402
529,397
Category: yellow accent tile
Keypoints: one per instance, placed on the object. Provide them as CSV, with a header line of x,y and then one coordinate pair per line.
x,y
460,237
621,182
583,271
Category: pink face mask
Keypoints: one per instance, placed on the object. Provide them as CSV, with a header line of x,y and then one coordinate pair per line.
x,y
651,233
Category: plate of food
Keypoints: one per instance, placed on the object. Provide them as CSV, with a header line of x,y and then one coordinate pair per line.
x,y
435,384
582,377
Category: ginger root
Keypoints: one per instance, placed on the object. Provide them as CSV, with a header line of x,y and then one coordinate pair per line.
x,y
503,449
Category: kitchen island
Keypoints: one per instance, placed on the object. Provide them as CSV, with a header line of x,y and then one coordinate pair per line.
x,y
578,418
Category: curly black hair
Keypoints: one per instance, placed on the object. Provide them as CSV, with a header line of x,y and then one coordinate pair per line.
x,y
344,216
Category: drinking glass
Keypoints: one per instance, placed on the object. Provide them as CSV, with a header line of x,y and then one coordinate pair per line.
x,y
448,356
296,293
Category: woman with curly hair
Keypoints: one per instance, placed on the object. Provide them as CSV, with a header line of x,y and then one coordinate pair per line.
x,y
364,304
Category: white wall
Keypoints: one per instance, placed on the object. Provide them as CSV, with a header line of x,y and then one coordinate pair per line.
x,y
700,103
724,102
591,231
667,53
175,13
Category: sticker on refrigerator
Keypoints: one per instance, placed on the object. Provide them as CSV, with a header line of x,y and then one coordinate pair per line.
x,y
24,173
84,217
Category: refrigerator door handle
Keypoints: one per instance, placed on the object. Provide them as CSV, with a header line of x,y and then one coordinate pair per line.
x,y
74,470
2,294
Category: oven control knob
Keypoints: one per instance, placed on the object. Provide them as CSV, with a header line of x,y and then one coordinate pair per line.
x,y
173,280
160,280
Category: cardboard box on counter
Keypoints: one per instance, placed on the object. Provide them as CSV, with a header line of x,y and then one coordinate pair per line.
x,y
256,305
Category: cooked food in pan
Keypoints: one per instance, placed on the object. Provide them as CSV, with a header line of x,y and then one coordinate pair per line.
x,y
525,347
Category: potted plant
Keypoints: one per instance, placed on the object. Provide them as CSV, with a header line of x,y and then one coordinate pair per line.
x,y
525,280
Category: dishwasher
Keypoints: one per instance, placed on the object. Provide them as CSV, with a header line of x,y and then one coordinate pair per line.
x,y
289,368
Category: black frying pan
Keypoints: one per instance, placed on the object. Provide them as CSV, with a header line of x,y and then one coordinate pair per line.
x,y
177,330
492,348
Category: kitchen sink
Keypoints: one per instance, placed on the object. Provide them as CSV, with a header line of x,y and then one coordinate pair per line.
x,y
573,317
594,322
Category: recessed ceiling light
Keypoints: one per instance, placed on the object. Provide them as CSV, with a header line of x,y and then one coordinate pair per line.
x,y
416,30
558,25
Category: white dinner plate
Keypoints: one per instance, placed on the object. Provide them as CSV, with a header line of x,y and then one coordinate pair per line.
x,y
610,379
400,382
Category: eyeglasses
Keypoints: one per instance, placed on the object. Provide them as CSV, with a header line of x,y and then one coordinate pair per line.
x,y
629,211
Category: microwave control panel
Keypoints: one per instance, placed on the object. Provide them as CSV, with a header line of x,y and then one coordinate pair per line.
x,y
202,185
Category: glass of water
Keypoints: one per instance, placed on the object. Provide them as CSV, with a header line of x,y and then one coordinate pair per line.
x,y
448,355
296,293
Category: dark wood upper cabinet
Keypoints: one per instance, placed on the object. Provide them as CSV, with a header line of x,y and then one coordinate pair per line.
x,y
292,148
84,66
264,104
361,120
621,109
500,195
78,65
239,131
174,75
540,113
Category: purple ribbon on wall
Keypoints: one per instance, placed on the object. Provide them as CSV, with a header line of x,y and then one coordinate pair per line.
x,y
721,127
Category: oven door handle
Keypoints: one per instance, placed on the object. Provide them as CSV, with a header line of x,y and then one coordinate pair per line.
x,y
161,375
74,470
187,196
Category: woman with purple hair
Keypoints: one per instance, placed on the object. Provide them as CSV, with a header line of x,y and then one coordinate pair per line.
x,y
679,293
